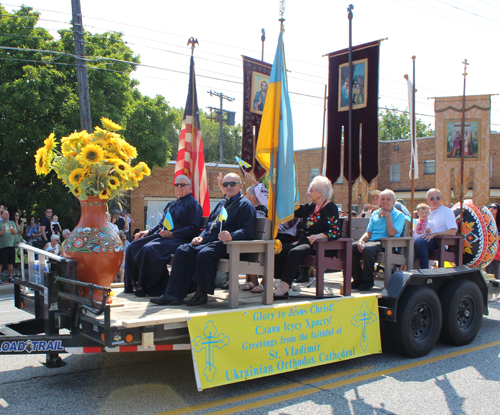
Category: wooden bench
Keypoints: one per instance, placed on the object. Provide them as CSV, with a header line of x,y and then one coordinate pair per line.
x,y
397,250
326,259
258,259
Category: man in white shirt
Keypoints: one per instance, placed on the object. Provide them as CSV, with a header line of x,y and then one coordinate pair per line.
x,y
443,223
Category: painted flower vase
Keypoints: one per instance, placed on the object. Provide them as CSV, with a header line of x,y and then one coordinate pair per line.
x,y
95,246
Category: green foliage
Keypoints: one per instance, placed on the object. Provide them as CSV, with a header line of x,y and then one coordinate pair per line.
x,y
395,125
210,133
39,95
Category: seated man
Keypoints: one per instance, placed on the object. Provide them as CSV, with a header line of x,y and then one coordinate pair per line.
x,y
147,257
443,223
198,260
384,222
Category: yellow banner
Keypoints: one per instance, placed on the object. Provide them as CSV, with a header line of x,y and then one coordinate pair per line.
x,y
231,347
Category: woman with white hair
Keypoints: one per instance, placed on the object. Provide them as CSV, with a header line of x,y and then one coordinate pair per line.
x,y
320,219
53,246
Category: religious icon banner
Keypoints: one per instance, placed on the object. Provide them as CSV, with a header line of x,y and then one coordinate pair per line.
x,y
230,347
365,59
255,82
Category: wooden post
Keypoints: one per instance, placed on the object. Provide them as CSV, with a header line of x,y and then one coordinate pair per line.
x,y
81,68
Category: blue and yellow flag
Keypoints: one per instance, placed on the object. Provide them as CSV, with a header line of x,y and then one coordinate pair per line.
x,y
242,163
168,222
222,214
275,144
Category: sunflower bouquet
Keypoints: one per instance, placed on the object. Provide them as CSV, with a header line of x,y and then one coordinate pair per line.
x,y
96,164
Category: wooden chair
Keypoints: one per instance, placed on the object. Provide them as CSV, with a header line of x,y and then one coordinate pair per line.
x,y
358,227
259,260
326,259
397,251
450,248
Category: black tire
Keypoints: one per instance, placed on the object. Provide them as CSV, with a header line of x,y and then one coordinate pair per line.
x,y
418,321
462,304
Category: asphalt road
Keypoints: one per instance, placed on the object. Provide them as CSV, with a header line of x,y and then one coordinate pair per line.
x,y
450,380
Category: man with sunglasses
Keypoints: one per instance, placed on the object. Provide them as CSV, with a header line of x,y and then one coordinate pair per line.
x,y
443,223
45,229
197,262
146,258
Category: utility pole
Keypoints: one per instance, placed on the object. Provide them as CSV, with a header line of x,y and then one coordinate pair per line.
x,y
220,119
81,67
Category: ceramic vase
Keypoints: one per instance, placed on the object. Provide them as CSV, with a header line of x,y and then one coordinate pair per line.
x,y
95,246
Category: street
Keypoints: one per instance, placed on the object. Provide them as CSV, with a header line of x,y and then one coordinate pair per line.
x,y
450,380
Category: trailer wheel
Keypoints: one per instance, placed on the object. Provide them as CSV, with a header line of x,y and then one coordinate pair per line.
x,y
461,302
418,321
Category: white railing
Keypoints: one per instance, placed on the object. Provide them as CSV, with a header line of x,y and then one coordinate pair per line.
x,y
35,266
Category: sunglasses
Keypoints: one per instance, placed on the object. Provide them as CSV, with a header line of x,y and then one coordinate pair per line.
x,y
180,185
493,207
434,198
232,184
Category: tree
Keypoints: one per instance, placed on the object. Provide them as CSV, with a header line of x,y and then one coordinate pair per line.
x,y
210,132
38,96
394,125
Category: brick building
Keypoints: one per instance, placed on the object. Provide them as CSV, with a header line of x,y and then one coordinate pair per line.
x,y
154,192
435,167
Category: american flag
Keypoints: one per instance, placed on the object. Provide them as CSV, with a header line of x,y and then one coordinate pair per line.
x,y
190,157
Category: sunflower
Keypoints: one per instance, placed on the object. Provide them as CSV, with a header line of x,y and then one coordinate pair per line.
x,y
104,194
143,167
129,150
42,165
76,176
122,168
110,125
91,154
113,182
50,143
77,191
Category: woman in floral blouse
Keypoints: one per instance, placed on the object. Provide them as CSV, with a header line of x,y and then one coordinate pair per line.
x,y
320,220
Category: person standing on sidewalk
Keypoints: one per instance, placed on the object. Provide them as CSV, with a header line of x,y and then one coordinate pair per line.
x,y
8,234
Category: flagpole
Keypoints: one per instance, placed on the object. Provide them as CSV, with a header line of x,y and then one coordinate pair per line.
x,y
414,145
323,135
349,125
462,147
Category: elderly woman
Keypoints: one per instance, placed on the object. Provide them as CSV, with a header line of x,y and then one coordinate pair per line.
x,y
54,247
320,220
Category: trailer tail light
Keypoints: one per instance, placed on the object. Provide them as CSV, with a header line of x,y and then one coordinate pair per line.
x,y
103,337
129,337
389,312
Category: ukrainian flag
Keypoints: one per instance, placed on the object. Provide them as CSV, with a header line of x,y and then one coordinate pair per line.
x,y
275,144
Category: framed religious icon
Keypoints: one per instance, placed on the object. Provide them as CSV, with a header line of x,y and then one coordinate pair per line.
x,y
471,143
359,81
260,83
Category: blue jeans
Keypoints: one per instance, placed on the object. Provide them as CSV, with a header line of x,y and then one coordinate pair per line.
x,y
422,251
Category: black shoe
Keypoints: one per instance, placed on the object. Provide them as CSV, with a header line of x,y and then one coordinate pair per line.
x,y
11,280
302,278
365,286
165,299
355,284
198,300
224,286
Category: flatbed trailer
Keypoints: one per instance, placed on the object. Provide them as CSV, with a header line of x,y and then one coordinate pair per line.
x,y
415,309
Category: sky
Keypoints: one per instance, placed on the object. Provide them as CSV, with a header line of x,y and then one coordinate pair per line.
x,y
441,34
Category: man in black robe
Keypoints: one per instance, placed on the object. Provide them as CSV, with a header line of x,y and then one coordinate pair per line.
x,y
146,258
198,260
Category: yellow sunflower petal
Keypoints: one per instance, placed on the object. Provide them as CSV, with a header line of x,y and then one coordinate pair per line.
x,y
104,194
110,125
76,176
91,154
42,165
